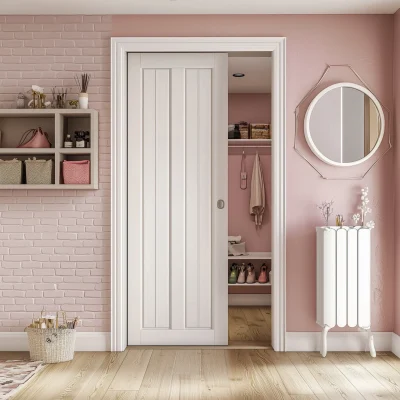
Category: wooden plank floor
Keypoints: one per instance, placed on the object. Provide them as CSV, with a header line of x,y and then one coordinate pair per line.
x,y
231,373
169,374
250,327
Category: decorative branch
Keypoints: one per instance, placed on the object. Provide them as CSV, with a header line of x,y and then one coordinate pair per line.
x,y
83,82
364,210
326,210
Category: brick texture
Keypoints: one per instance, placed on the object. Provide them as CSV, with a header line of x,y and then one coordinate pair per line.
x,y
55,244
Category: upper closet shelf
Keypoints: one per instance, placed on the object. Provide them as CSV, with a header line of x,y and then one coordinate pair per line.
x,y
253,256
249,142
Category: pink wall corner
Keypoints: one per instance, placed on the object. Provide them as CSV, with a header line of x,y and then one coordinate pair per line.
x,y
396,86
366,43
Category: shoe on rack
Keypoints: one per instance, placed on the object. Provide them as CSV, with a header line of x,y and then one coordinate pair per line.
x,y
242,274
263,278
251,274
233,274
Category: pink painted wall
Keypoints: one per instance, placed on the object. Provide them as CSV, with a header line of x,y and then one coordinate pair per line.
x,y
249,107
55,244
396,86
365,42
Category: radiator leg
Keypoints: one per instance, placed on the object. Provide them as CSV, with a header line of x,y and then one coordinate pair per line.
x,y
371,343
324,340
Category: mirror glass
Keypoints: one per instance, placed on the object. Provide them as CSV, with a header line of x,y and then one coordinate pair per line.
x,y
344,124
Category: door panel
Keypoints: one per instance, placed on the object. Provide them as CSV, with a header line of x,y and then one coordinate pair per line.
x,y
178,265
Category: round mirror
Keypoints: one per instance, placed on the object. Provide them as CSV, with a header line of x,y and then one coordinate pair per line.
x,y
344,124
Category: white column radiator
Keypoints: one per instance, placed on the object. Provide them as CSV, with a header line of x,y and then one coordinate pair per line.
x,y
344,280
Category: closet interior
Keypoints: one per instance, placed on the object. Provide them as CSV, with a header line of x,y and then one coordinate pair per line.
x,y
249,215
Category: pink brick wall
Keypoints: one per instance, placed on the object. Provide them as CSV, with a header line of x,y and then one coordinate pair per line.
x,y
55,244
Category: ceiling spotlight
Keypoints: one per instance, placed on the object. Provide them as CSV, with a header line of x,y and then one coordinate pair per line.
x,y
238,75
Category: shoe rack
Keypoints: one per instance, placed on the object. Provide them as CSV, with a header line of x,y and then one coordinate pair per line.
x,y
57,123
255,256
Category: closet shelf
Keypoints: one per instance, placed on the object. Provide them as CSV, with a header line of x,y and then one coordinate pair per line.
x,y
253,256
249,142
249,284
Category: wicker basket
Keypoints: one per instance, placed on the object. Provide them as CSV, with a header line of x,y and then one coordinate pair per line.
x,y
10,172
76,172
260,131
38,172
51,345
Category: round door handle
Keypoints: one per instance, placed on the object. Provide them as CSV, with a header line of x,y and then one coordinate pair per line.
x,y
220,204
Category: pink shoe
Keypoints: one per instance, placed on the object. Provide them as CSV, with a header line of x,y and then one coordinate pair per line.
x,y
242,274
263,278
251,275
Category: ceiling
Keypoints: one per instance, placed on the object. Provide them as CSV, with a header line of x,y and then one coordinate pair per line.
x,y
199,6
257,72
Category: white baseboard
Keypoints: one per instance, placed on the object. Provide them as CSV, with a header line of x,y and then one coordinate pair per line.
x,y
396,345
338,341
249,299
85,341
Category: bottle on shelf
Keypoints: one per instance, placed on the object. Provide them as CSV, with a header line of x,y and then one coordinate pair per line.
x,y
68,142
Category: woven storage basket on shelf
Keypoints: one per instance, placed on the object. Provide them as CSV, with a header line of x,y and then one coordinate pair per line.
x,y
51,345
10,172
76,172
38,172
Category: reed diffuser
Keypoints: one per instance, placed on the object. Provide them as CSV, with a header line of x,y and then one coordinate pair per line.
x,y
83,84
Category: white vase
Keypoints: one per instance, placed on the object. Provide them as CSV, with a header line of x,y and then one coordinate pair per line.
x,y
83,100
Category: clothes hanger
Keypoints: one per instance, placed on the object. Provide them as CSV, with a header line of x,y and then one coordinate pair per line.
x,y
243,173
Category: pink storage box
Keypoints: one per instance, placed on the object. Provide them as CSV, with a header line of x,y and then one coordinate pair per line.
x,y
76,172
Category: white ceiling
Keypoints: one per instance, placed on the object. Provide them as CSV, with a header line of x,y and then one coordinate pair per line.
x,y
199,6
257,72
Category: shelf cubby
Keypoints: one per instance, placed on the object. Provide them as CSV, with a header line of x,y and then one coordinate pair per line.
x,y
57,123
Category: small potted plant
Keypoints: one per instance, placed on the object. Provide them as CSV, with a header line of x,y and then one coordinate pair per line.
x,y
83,84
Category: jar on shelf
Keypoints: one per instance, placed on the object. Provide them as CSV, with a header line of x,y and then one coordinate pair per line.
x,y
80,139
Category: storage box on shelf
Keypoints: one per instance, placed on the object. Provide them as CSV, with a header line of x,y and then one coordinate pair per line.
x,y
57,123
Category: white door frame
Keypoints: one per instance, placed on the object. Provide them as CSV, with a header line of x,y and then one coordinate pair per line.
x,y
120,47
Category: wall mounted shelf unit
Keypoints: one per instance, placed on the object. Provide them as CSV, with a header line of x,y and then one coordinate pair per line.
x,y
57,123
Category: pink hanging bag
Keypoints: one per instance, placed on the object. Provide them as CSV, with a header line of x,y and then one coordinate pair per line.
x,y
34,139
76,172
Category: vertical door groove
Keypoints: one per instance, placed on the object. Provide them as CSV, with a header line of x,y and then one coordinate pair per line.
x,y
192,196
162,274
178,206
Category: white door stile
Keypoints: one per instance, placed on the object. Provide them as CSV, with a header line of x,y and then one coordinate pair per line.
x,y
220,191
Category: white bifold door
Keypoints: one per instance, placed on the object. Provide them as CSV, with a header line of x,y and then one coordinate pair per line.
x,y
177,199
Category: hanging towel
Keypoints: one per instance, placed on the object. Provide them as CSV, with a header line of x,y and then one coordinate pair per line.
x,y
257,196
